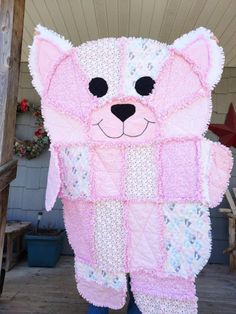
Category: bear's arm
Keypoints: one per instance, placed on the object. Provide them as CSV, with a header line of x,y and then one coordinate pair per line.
x,y
53,180
217,165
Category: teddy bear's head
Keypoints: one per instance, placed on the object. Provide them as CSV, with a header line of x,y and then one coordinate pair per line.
x,y
125,90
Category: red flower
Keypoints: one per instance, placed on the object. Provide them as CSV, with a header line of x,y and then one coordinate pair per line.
x,y
24,105
38,132
36,114
22,150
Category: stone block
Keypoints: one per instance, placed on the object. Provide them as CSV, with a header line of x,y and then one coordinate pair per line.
x,y
226,72
44,158
25,80
33,199
222,103
222,87
43,177
233,71
16,214
24,67
217,118
58,204
232,85
24,132
30,94
15,197
20,179
33,178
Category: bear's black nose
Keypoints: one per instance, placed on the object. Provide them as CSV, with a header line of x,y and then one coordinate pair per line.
x,y
123,111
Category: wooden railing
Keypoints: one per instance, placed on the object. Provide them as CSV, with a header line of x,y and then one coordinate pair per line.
x,y
231,214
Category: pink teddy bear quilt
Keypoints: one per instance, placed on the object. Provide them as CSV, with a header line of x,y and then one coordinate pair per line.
x,y
126,118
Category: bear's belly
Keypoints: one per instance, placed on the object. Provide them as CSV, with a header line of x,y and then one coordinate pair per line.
x,y
164,172
172,239
102,173
113,236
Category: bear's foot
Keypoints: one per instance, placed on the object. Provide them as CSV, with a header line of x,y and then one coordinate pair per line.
x,y
154,305
101,288
163,295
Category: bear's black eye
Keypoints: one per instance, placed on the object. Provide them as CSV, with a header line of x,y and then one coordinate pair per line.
x,y
144,85
98,86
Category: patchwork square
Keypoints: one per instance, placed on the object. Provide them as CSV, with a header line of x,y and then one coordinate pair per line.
x,y
145,236
140,173
79,221
110,235
187,238
180,171
75,171
107,175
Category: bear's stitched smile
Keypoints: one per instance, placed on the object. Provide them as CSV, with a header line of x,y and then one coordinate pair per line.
x,y
123,131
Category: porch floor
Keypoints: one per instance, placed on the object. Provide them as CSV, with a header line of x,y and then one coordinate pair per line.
x,y
53,290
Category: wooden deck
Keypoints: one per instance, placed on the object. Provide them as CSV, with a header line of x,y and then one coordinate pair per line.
x,y
53,291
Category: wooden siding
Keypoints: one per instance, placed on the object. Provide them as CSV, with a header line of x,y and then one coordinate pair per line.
x,y
83,20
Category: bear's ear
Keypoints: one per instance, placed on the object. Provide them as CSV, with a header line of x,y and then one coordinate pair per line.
x,y
46,49
201,49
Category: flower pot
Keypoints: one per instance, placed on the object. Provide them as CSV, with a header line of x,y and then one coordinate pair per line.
x,y
44,250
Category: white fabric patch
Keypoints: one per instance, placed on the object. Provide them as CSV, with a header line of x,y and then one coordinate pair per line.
x,y
141,173
109,236
187,238
75,172
102,59
143,57
101,277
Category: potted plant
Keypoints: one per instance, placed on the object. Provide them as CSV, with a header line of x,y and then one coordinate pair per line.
x,y
44,245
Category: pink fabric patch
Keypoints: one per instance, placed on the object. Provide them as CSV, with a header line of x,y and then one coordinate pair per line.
x,y
176,86
198,52
45,64
68,89
79,223
145,237
180,171
55,121
163,287
220,167
107,163
100,295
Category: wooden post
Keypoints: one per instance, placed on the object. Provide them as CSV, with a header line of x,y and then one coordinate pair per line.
x,y
11,31
232,257
231,214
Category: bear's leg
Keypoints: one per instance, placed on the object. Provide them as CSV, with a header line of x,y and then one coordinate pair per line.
x,y
158,295
155,305
101,288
